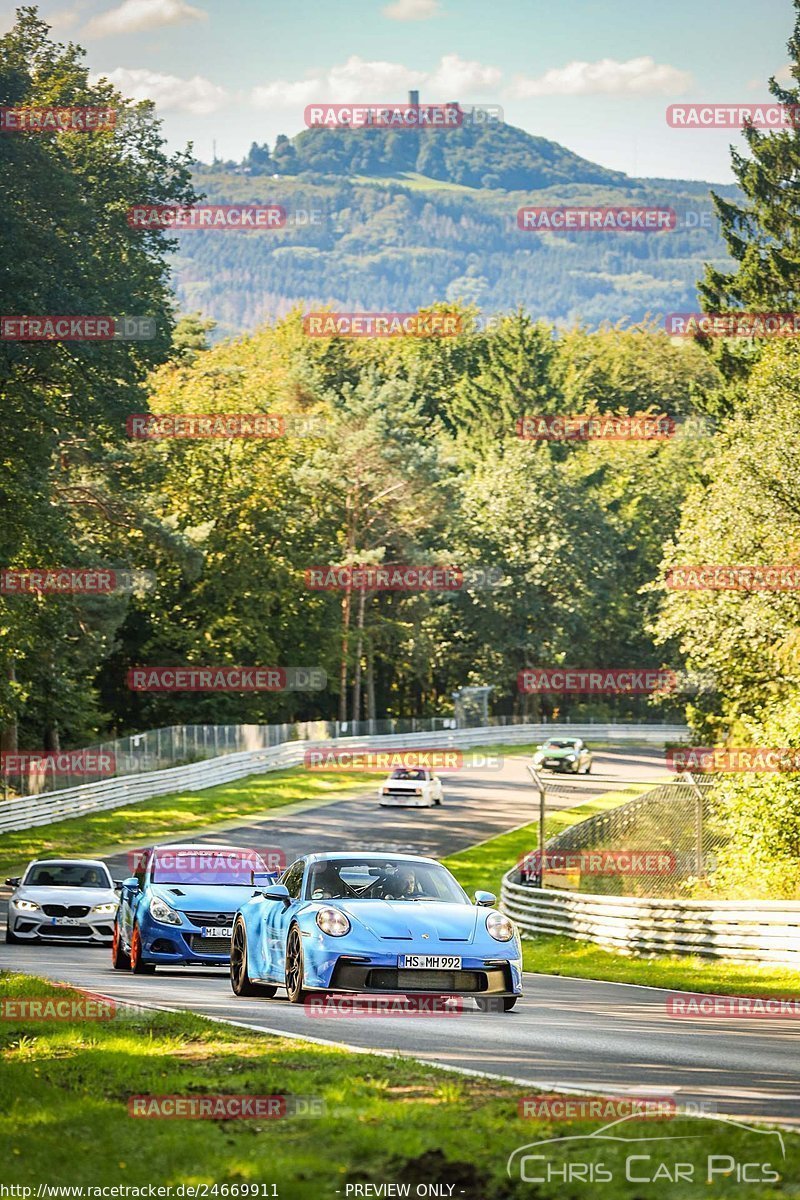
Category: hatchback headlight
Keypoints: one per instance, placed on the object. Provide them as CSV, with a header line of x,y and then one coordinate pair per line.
x,y
106,908
26,905
332,921
499,927
163,912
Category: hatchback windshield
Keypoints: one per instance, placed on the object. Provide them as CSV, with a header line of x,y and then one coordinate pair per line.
x,y
66,875
555,744
197,866
410,773
382,879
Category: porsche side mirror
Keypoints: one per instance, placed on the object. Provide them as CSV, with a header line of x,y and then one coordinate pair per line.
x,y
277,891
485,899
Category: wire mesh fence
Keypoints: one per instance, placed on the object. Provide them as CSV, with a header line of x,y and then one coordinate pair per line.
x,y
663,842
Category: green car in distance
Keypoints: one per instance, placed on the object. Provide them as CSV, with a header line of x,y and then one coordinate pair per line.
x,y
564,754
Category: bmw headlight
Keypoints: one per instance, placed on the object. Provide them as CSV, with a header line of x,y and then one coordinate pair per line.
x,y
499,927
332,921
26,905
107,908
162,912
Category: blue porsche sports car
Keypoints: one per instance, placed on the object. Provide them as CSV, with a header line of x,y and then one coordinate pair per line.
x,y
178,907
374,924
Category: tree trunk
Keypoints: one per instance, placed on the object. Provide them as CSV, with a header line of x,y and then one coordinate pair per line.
x,y
345,647
9,733
362,601
370,687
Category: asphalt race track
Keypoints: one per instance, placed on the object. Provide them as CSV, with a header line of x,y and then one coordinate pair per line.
x,y
565,1033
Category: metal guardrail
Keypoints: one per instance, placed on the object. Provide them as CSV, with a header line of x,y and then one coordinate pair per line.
x,y
763,931
27,812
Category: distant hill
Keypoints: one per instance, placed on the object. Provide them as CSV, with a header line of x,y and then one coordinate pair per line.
x,y
395,219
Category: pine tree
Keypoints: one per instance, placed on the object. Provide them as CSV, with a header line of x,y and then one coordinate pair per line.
x,y
763,233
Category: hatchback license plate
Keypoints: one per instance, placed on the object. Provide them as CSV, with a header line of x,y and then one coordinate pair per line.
x,y
216,931
428,962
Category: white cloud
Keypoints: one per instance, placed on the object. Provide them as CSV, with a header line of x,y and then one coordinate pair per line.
x,y
361,80
638,76
412,10
784,75
135,16
456,77
283,94
196,95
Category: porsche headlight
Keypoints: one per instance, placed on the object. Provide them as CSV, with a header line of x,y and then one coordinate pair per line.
x,y
332,921
571,757
107,908
499,927
26,905
162,912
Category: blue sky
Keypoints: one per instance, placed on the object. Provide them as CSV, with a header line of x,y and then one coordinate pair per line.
x,y
596,77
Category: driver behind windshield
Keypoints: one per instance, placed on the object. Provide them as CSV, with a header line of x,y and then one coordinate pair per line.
x,y
326,883
401,884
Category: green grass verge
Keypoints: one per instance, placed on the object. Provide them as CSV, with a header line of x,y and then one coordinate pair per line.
x,y
65,1088
483,866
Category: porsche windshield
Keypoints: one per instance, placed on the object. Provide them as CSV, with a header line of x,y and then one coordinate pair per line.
x,y
382,879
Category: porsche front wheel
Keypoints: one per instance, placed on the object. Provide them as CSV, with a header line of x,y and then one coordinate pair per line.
x,y
294,967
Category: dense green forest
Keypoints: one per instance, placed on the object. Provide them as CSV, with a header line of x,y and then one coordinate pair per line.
x,y
401,450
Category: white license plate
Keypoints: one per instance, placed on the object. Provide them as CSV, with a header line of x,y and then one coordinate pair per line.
x,y
65,921
216,931
435,962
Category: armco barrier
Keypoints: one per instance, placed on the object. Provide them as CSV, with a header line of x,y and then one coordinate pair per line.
x,y
764,931
25,812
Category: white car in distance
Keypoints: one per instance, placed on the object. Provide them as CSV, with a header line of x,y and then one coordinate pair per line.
x,y
411,787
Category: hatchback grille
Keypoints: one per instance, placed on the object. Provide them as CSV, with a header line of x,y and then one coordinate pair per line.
x,y
65,910
211,918
209,945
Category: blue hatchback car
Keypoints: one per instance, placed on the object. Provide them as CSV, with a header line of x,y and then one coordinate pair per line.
x,y
381,924
178,907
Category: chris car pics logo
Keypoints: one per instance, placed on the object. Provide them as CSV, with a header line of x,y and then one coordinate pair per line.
x,y
620,1152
